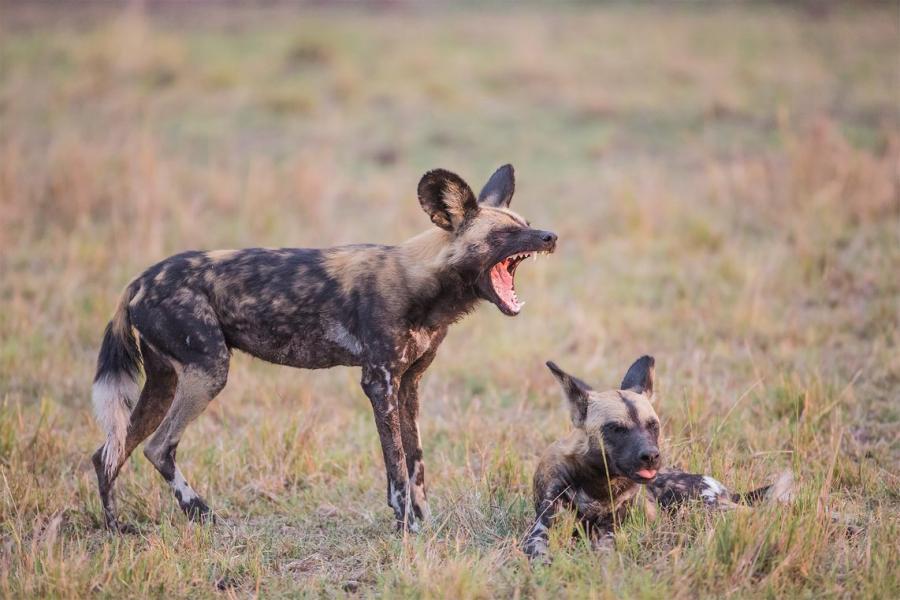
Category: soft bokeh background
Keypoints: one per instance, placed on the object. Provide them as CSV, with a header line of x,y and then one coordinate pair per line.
x,y
725,181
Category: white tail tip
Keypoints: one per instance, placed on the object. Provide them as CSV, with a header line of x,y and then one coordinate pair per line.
x,y
112,398
783,488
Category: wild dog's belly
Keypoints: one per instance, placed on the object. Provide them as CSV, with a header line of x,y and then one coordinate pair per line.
x,y
313,346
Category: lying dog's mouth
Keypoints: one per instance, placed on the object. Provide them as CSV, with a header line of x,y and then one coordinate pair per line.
x,y
503,281
644,475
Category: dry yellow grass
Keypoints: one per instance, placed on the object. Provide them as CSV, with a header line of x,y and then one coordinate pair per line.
x,y
725,184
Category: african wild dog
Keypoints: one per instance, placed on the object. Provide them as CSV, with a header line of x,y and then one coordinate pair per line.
x,y
383,308
614,449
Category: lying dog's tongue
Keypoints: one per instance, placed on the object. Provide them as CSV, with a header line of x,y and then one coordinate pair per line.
x,y
647,473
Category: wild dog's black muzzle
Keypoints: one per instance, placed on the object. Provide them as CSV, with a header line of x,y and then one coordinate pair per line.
x,y
650,457
548,239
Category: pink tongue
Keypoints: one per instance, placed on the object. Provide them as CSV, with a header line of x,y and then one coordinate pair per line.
x,y
503,284
647,473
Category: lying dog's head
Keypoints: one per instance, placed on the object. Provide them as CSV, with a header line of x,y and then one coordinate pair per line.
x,y
620,425
487,241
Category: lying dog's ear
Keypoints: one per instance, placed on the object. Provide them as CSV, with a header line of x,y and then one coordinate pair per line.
x,y
446,198
499,189
640,376
576,392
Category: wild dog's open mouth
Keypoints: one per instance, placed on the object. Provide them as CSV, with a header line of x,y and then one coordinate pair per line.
x,y
503,280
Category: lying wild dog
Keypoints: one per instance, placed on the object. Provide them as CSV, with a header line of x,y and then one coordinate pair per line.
x,y
383,308
598,469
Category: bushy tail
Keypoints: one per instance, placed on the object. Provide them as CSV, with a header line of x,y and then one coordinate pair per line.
x,y
780,491
115,384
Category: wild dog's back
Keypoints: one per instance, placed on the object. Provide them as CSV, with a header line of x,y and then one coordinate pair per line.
x,y
259,299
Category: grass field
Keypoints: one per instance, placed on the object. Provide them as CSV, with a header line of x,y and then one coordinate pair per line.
x,y
725,181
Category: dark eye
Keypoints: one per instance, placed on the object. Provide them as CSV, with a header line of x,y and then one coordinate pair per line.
x,y
619,429
652,426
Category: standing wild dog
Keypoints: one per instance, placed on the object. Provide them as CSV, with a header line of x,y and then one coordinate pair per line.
x,y
598,469
383,308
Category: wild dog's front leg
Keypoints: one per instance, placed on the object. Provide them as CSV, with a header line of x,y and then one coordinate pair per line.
x,y
409,430
600,532
551,501
381,385
597,519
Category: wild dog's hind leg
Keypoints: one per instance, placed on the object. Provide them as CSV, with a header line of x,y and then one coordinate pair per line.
x,y
409,430
672,488
201,362
154,401
380,385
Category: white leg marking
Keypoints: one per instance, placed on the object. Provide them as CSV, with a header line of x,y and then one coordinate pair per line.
x,y
394,495
399,500
388,382
183,491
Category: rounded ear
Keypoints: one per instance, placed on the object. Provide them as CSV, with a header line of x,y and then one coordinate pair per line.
x,y
499,189
446,198
640,376
575,391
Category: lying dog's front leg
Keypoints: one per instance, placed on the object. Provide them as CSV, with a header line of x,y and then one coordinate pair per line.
x,y
597,519
552,500
381,385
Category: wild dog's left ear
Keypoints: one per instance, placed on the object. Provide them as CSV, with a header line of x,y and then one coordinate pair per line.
x,y
446,198
499,189
576,392
640,376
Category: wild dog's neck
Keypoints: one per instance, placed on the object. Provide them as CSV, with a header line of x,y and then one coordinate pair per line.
x,y
428,261
429,251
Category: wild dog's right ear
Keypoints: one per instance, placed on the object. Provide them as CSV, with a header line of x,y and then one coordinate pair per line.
x,y
446,198
576,392
499,189
640,376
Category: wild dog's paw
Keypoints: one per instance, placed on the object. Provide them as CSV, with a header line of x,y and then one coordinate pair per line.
x,y
605,542
537,549
410,525
118,527
198,511
422,512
